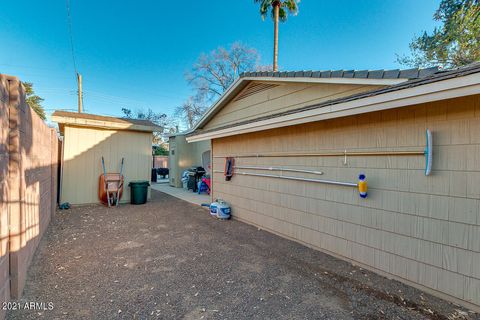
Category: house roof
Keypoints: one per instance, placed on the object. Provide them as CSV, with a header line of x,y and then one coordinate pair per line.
x,y
360,77
105,122
434,86
358,74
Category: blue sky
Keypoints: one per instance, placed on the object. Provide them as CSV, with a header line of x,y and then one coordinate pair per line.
x,y
135,53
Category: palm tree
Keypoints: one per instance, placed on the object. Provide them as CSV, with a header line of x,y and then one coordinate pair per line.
x,y
34,101
279,10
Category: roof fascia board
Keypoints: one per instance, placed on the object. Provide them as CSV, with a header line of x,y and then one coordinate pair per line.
x,y
101,124
447,89
182,133
223,98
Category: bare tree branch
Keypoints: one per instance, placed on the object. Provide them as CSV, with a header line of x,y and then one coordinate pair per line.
x,y
212,74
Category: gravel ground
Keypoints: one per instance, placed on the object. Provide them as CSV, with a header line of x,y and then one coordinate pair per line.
x,y
169,259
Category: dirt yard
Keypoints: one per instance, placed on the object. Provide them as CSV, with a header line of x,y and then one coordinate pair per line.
x,y
169,259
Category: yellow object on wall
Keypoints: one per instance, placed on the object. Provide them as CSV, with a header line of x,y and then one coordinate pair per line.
x,y
362,185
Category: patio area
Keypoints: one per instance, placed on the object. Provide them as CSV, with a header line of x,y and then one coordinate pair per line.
x,y
169,259
185,195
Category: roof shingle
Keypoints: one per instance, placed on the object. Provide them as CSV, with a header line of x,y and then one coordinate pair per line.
x,y
425,76
362,74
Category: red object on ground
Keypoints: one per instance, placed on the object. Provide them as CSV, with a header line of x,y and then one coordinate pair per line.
x,y
115,182
207,182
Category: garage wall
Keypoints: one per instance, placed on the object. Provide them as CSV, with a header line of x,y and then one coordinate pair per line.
x,y
422,230
263,98
82,166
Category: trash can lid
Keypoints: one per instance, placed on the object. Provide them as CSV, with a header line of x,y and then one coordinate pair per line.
x,y
139,183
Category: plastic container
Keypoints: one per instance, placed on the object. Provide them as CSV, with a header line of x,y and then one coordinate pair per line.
x,y
219,209
138,191
185,179
154,175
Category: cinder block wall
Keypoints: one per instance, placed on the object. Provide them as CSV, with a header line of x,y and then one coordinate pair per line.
x,y
424,231
28,187
4,195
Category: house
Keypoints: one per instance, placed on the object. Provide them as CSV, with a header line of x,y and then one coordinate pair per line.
x,y
301,139
183,155
87,138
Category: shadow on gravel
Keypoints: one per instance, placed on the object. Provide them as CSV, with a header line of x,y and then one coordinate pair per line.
x,y
169,259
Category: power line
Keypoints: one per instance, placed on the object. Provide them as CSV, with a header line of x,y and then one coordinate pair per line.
x,y
116,102
114,98
51,89
65,109
25,66
77,75
70,32
25,75
153,94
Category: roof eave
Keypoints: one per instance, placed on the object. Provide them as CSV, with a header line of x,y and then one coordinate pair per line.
x,y
236,86
441,90
81,122
176,134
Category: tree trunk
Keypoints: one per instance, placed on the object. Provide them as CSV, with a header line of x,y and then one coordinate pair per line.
x,y
275,36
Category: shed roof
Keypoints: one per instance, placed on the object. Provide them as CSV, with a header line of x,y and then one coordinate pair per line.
x,y
439,85
104,122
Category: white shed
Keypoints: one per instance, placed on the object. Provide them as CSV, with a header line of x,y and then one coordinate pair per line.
x,y
88,137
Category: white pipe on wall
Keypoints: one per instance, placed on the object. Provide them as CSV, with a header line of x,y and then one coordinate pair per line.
x,y
328,154
279,169
346,184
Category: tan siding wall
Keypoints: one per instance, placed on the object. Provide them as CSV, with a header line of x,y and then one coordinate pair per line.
x,y
282,98
186,155
83,151
424,230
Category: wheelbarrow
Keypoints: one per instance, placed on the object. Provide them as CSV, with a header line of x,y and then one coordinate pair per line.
x,y
110,186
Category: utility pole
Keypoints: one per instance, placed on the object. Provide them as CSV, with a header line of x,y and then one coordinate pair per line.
x,y
80,94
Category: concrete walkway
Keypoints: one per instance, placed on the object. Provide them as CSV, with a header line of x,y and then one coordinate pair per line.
x,y
180,193
169,259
